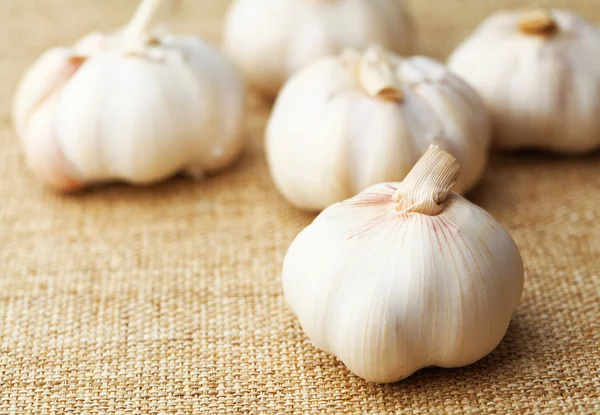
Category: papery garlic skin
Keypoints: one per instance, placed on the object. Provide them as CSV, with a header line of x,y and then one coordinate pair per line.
x,y
350,121
104,111
539,74
270,40
389,292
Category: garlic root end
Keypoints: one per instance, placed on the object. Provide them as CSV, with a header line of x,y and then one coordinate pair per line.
x,y
538,22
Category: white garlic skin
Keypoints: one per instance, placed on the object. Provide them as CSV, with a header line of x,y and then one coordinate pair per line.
x,y
327,138
541,91
389,294
95,113
270,40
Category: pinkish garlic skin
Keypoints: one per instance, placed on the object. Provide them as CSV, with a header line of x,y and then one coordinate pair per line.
x,y
44,156
33,113
34,110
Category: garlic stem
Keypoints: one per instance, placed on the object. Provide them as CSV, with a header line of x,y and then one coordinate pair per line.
x,y
538,22
146,16
428,183
378,76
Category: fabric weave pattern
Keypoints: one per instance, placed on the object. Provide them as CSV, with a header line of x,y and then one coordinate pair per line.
x,y
168,300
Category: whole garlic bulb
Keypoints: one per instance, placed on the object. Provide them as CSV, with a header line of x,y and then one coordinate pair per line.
x,y
350,121
139,106
404,276
270,40
539,74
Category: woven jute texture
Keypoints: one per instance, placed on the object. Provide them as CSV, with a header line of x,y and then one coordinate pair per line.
x,y
168,299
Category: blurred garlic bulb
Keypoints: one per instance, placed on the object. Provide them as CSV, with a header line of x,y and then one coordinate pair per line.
x,y
138,106
272,39
539,74
404,276
350,121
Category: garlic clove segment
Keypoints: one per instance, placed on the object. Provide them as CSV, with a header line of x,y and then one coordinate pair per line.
x,y
138,105
270,40
363,117
405,276
538,72
34,121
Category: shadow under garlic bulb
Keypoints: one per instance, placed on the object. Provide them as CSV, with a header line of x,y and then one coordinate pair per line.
x,y
347,122
271,39
405,276
539,74
138,105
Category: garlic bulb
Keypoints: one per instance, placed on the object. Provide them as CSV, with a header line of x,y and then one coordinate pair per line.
x,y
404,276
539,74
270,40
138,106
350,121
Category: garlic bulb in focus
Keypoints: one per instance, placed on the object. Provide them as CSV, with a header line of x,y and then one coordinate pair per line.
x,y
404,276
270,40
350,121
539,74
139,106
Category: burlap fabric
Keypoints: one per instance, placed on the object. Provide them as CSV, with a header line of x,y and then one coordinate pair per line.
x,y
168,299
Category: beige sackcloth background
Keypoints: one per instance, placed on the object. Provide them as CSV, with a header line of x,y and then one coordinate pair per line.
x,y
167,299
